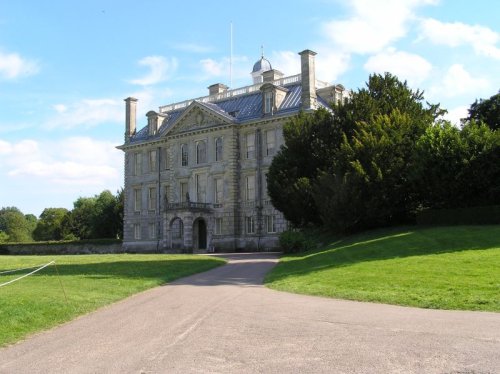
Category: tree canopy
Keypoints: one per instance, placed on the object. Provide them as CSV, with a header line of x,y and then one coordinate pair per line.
x,y
100,216
376,159
487,111
15,226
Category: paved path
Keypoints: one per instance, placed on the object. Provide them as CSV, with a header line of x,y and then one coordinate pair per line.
x,y
225,321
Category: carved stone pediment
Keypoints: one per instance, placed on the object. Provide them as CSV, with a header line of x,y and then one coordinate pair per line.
x,y
197,117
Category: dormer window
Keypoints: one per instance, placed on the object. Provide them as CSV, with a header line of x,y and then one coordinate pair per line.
x,y
272,97
268,102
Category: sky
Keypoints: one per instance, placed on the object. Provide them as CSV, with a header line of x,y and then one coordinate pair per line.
x,y
66,66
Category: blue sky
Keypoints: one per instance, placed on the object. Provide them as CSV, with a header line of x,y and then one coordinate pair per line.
x,y
66,66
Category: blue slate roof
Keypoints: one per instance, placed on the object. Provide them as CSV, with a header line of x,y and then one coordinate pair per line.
x,y
238,109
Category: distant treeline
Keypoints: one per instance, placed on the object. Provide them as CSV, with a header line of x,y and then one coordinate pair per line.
x,y
95,217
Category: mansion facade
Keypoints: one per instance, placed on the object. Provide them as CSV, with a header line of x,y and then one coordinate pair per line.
x,y
195,174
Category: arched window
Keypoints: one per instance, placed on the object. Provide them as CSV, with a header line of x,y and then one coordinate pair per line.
x,y
177,228
201,152
184,155
218,149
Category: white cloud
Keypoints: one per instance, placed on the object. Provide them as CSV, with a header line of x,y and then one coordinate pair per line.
x,y
87,113
60,108
482,39
372,25
79,161
456,114
457,81
215,68
331,64
14,66
287,62
161,69
220,68
406,66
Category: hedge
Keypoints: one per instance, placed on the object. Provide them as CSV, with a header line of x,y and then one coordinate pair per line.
x,y
480,215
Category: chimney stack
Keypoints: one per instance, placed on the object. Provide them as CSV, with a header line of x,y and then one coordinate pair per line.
x,y
130,117
217,88
308,76
271,75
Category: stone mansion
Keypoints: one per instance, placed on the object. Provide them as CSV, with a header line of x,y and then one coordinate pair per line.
x,y
195,174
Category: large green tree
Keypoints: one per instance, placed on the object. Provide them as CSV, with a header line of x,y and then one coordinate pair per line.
x,y
487,111
307,150
50,224
458,167
349,167
15,225
100,216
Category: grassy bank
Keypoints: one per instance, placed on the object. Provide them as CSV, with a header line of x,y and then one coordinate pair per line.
x,y
37,302
441,267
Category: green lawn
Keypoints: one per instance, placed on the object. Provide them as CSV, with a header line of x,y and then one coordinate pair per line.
x,y
37,302
441,267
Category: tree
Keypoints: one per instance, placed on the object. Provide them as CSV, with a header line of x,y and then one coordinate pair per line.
x,y
32,221
105,220
50,224
355,159
370,186
458,167
487,111
307,150
96,217
15,225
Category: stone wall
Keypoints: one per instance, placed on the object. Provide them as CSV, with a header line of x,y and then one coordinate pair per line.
x,y
62,249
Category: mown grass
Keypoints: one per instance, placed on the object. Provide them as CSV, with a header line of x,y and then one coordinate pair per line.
x,y
37,302
440,267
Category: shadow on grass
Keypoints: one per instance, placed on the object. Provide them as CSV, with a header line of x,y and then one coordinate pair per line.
x,y
166,270
388,244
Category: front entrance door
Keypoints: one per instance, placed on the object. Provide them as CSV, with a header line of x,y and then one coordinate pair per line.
x,y
202,234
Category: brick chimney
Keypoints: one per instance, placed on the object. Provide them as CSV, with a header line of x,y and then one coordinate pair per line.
x,y
308,75
130,117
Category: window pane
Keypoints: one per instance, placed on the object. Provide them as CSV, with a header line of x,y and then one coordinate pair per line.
x,y
152,161
152,198
250,140
250,227
201,152
152,231
270,142
184,191
164,158
137,164
218,225
177,229
268,102
137,199
218,149
250,187
271,224
184,155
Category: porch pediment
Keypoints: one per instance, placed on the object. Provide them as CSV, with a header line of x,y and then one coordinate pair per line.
x,y
198,116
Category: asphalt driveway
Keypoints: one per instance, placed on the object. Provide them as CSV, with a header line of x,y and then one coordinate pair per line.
x,y
225,321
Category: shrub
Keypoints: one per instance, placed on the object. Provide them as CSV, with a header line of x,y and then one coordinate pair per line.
x,y
294,241
480,215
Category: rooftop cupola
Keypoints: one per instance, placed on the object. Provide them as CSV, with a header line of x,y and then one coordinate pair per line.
x,y
259,68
